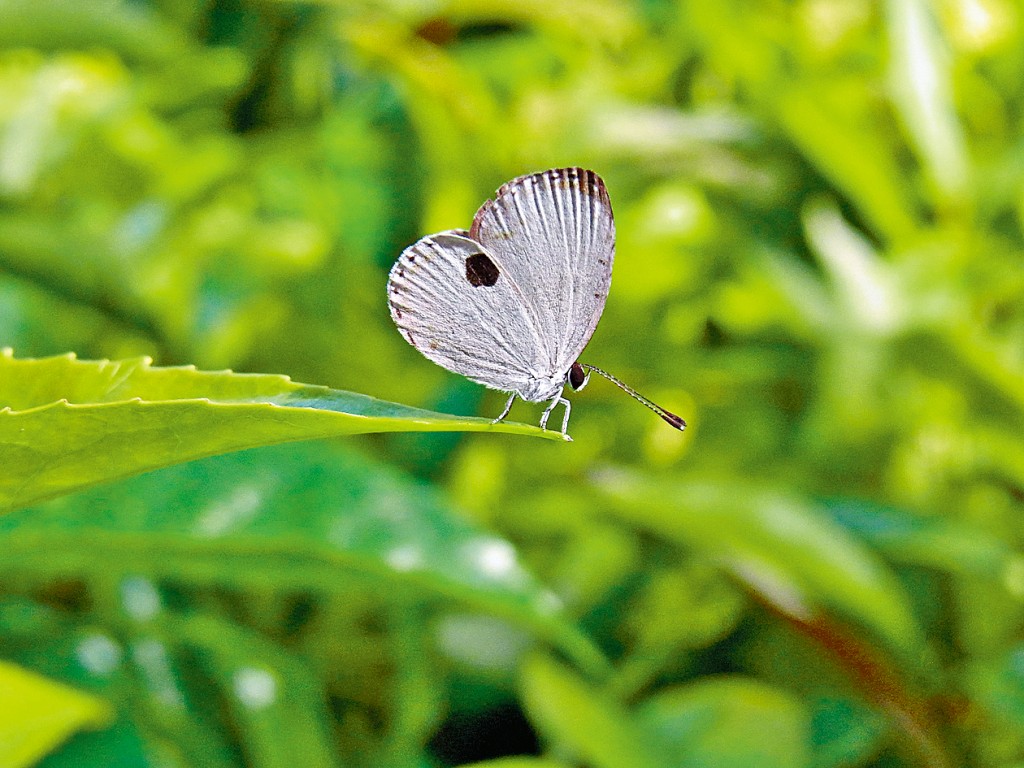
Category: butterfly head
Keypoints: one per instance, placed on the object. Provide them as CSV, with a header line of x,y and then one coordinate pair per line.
x,y
576,377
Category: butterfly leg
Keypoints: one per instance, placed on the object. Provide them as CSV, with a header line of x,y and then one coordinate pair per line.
x,y
508,407
551,406
565,419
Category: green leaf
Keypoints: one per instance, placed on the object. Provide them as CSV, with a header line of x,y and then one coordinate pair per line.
x,y
37,714
729,722
305,519
67,424
780,546
575,715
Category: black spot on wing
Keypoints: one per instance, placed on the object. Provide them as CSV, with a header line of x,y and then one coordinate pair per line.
x,y
481,271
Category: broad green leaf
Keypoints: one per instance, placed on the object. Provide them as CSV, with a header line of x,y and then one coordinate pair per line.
x,y
67,424
729,722
304,519
37,714
781,546
576,716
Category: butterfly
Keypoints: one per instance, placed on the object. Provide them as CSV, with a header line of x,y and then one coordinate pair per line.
x,y
512,302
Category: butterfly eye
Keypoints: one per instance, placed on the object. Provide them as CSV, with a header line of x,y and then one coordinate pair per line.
x,y
576,376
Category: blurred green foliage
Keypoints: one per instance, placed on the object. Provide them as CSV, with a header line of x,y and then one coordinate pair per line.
x,y
819,208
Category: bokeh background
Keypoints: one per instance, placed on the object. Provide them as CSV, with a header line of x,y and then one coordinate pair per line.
x,y
819,207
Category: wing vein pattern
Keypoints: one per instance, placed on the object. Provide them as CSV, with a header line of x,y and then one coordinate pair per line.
x,y
482,331
512,302
561,256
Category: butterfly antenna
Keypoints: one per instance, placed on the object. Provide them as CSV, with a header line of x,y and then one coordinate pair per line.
x,y
668,416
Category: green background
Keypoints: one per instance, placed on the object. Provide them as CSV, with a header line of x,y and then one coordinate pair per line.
x,y
820,247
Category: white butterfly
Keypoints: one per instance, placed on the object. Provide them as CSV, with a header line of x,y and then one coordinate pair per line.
x,y
512,303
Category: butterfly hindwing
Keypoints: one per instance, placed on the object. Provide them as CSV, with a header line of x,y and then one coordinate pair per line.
x,y
455,303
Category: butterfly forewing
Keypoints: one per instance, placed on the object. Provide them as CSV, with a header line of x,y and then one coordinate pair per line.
x,y
555,235
456,304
